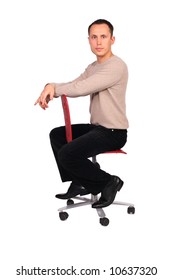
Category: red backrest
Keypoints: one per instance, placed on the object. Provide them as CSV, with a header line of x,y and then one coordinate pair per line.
x,y
67,118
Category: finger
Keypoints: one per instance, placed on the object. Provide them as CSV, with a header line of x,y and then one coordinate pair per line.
x,y
42,105
36,102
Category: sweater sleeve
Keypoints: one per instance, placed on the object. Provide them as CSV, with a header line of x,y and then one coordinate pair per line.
x,y
62,85
96,78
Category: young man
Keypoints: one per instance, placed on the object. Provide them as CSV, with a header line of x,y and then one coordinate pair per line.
x,y
105,80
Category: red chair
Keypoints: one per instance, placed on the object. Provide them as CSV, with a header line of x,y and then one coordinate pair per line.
x,y
85,200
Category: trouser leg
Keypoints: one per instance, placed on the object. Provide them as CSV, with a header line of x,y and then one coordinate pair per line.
x,y
72,158
58,140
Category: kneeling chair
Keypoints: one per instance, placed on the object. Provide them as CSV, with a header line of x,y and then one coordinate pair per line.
x,y
83,201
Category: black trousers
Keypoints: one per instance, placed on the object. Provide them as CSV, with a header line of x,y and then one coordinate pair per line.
x,y
73,158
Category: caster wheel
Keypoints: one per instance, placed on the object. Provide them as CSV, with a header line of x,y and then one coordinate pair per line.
x,y
131,210
70,202
63,216
104,221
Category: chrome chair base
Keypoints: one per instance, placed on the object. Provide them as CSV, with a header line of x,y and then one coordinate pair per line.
x,y
84,201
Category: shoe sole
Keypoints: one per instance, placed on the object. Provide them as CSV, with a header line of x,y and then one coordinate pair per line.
x,y
69,196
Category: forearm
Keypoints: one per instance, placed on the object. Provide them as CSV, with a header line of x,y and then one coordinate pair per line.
x,y
94,83
60,88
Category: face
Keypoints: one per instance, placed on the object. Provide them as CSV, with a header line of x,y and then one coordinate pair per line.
x,y
100,41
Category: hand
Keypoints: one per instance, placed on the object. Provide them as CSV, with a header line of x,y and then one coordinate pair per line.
x,y
46,95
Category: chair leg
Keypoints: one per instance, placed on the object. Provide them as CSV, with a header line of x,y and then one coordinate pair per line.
x,y
83,201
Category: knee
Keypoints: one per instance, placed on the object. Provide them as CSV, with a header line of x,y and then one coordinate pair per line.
x,y
52,134
57,135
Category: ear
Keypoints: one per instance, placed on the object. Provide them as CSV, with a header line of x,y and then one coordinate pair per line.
x,y
113,40
89,40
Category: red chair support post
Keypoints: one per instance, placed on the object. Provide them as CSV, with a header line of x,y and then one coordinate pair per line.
x,y
67,118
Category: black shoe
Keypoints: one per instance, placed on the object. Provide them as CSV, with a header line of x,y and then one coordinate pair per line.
x,y
109,192
73,191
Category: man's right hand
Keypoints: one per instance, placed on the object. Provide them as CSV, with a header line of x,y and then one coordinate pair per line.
x,y
46,95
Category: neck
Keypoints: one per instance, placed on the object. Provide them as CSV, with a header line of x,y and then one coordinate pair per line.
x,y
101,59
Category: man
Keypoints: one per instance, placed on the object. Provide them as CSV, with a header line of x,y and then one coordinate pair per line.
x,y
105,80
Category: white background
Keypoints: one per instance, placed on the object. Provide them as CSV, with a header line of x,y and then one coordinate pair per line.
x,y
46,41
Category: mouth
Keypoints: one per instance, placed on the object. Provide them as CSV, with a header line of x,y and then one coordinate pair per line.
x,y
99,49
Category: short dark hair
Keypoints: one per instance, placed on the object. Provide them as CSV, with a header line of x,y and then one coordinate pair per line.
x,y
102,21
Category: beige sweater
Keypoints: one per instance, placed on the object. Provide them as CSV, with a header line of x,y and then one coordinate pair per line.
x,y
106,84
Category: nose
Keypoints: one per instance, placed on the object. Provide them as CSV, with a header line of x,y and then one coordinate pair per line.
x,y
98,41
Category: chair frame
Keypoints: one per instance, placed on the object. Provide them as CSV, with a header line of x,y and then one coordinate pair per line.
x,y
84,201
